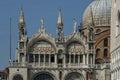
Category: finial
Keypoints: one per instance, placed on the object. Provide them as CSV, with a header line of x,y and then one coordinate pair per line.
x,y
42,23
60,17
21,20
75,25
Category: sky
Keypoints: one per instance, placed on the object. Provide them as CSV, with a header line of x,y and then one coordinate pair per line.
x,y
34,10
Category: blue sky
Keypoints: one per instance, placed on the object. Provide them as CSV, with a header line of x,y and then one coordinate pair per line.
x,y
34,10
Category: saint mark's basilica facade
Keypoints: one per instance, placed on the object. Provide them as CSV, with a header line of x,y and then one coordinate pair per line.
x,y
82,55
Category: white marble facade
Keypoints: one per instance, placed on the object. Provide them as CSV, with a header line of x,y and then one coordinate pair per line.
x,y
115,40
44,57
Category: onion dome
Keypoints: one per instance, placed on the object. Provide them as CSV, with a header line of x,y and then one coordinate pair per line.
x,y
97,13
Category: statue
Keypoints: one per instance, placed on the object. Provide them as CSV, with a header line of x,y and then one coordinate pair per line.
x,y
90,34
75,25
59,35
42,23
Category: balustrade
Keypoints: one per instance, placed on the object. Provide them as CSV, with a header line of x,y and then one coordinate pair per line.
x,y
54,65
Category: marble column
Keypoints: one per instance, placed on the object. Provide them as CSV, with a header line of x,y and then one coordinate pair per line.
x,y
93,58
84,59
18,55
87,59
34,59
119,73
55,59
39,59
78,59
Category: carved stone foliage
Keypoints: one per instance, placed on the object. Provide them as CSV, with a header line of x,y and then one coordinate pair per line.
x,y
75,48
42,47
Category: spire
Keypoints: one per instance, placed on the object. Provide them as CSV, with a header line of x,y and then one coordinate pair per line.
x,y
21,19
21,26
60,28
60,23
91,21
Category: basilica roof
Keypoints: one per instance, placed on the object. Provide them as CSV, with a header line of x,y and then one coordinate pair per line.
x,y
97,13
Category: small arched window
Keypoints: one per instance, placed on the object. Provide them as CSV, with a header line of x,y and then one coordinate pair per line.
x,y
76,58
67,58
105,53
31,58
81,58
97,52
72,58
105,42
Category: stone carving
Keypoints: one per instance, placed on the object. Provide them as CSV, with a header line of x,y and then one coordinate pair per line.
x,y
42,49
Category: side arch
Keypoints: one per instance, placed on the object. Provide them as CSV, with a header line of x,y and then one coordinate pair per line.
x,y
74,76
17,77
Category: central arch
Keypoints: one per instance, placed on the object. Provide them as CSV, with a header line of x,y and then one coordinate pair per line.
x,y
43,76
74,76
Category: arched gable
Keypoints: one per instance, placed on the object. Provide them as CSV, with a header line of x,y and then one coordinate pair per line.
x,y
41,40
75,45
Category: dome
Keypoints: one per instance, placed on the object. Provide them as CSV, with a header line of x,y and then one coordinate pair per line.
x,y
98,12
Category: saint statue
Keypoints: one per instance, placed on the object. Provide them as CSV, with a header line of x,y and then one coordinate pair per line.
x,y
42,23
90,34
75,25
